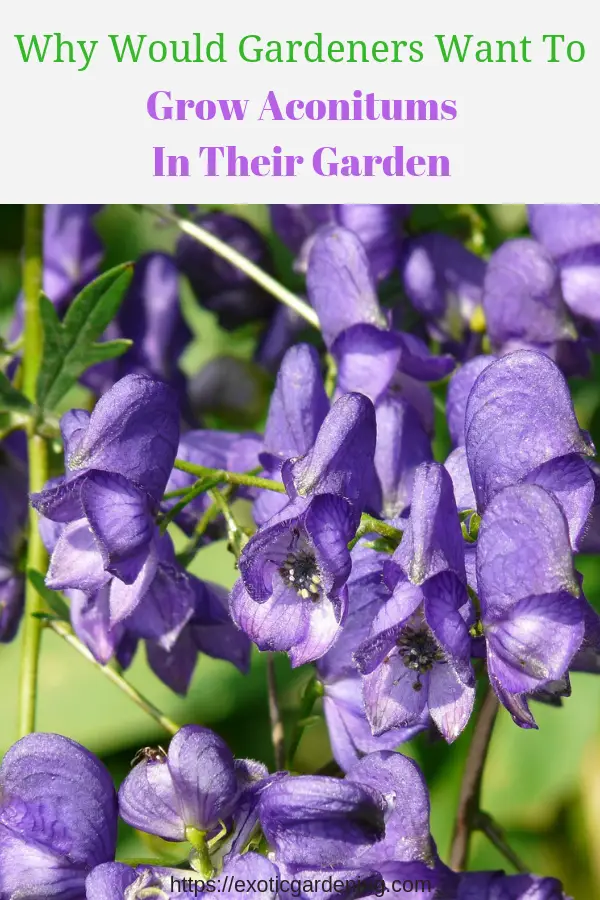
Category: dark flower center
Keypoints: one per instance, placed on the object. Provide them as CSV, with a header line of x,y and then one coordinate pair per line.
x,y
301,572
419,652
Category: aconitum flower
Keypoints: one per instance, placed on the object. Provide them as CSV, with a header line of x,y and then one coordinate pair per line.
x,y
378,226
444,282
498,886
377,816
342,291
523,300
210,631
292,594
520,426
58,818
118,460
459,388
532,611
416,660
197,785
13,517
349,730
571,234
219,286
114,881
297,410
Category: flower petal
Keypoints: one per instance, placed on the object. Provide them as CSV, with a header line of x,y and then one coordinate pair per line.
x,y
121,522
401,446
76,561
519,415
340,283
459,388
149,801
523,549
570,481
133,432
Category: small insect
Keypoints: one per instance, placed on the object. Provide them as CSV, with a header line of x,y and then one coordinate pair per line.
x,y
152,754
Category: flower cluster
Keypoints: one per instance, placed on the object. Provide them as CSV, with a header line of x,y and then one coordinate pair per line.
x,y
403,579
59,813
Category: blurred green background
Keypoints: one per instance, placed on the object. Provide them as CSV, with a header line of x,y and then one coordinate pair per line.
x,y
542,786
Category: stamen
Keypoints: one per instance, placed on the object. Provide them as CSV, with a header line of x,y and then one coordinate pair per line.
x,y
301,572
419,651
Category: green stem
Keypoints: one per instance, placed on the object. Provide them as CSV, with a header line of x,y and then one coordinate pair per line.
x,y
369,525
63,630
221,476
33,340
237,259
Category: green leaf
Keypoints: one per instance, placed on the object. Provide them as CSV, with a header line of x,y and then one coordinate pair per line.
x,y
70,346
54,600
10,398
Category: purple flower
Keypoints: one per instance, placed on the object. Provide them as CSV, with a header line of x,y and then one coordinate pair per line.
x,y
210,631
292,594
378,226
58,818
72,255
297,410
13,502
150,316
523,301
349,731
374,818
444,282
219,286
532,613
118,461
571,234
459,388
114,881
198,784
416,660
519,423
402,445
498,886
342,290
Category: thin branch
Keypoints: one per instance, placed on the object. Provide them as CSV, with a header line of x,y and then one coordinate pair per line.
x,y
241,262
64,631
222,476
470,789
495,834
277,732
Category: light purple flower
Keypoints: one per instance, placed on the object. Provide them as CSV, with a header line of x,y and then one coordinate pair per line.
x,y
118,461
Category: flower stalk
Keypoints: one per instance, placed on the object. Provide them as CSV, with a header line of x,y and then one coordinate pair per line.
x,y
33,342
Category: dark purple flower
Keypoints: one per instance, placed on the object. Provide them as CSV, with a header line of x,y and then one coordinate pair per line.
x,y
219,286
210,631
349,731
297,410
522,298
402,445
118,461
72,255
377,816
58,818
13,506
532,610
416,660
292,594
216,450
444,282
498,886
342,291
378,226
150,316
